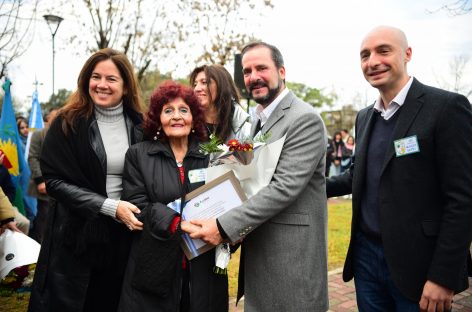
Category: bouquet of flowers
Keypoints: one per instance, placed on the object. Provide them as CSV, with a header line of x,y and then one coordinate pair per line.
x,y
233,152
253,161
18,280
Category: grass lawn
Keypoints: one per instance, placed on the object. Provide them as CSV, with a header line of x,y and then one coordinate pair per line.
x,y
339,222
339,231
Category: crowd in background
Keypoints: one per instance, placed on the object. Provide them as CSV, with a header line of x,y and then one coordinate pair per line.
x,y
339,152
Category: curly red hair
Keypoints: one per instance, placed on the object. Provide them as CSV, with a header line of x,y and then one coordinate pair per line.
x,y
165,93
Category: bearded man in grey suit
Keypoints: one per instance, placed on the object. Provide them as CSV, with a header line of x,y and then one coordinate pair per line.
x,y
282,227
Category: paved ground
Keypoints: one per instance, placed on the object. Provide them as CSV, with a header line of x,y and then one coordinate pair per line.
x,y
342,296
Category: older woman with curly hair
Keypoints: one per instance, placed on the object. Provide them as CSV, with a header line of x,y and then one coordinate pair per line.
x,y
158,276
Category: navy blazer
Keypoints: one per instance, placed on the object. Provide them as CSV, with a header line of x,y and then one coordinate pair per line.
x,y
425,197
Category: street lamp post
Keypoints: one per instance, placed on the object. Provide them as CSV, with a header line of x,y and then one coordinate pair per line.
x,y
53,23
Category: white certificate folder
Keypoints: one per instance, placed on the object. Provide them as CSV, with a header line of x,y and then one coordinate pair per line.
x,y
209,202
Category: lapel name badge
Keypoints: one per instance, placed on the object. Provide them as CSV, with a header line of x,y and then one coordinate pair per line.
x,y
197,175
406,146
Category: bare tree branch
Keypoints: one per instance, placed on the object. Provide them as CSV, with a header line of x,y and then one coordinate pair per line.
x,y
226,28
454,81
17,19
458,7
157,32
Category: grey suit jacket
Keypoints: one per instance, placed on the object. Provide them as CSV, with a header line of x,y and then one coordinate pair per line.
x,y
284,225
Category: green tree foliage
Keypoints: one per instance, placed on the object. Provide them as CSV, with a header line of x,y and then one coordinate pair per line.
x,y
56,100
315,97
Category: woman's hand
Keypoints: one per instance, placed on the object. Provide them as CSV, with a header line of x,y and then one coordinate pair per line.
x,y
41,187
125,213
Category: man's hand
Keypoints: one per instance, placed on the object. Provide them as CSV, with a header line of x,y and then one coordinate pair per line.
x,y
188,227
207,231
125,213
436,298
41,188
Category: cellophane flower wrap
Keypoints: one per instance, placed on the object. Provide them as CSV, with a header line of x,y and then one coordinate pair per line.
x,y
233,152
253,161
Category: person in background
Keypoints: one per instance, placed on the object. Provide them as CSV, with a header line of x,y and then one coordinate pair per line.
x,y
88,234
5,180
158,276
349,147
411,186
7,214
22,125
219,98
339,153
350,144
344,135
37,185
10,217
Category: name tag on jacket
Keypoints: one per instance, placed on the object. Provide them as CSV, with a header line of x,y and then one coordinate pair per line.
x,y
197,175
406,146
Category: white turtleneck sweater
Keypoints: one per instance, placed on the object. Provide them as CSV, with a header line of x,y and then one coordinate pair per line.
x,y
112,126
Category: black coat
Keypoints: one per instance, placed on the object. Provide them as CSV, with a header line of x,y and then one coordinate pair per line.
x,y
153,279
82,250
6,184
425,197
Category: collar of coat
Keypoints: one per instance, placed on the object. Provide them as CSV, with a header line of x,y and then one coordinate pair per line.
x,y
164,149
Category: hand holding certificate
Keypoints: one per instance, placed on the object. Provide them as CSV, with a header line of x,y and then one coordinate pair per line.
x,y
228,185
208,203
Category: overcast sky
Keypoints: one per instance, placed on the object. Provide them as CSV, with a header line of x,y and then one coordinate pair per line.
x,y
319,40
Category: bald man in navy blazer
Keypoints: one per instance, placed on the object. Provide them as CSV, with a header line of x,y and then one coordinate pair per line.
x,y
411,185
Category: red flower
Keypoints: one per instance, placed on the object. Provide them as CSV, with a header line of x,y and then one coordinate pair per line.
x,y
233,142
233,145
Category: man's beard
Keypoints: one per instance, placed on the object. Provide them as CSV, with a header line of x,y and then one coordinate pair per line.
x,y
269,97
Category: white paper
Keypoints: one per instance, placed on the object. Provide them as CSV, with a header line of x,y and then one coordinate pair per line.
x,y
211,204
16,249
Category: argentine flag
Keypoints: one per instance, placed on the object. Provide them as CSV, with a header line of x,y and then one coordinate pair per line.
x,y
10,144
35,121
